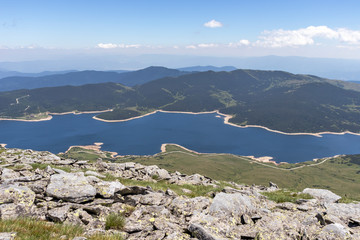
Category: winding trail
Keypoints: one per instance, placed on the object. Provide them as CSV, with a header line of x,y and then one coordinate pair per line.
x,y
195,154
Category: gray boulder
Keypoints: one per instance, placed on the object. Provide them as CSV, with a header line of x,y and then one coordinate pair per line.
x,y
108,189
201,233
58,214
7,235
16,194
335,231
230,205
323,195
72,187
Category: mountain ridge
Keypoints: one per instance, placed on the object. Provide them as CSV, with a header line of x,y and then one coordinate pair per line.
x,y
274,99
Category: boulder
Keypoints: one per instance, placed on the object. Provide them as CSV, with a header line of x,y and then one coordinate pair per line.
x,y
201,233
8,174
344,211
7,235
58,214
231,205
72,187
335,231
323,195
108,189
16,194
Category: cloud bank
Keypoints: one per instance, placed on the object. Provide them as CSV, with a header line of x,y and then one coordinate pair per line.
x,y
307,36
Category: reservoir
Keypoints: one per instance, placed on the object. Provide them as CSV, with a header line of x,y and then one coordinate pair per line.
x,y
204,133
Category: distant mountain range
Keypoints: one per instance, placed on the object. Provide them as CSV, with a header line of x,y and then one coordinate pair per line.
x,y
208,68
343,69
4,74
274,99
77,78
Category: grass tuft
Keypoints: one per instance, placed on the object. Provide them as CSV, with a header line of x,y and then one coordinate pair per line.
x,y
32,229
281,196
115,221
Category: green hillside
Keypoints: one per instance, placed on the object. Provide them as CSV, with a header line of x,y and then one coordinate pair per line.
x,y
274,99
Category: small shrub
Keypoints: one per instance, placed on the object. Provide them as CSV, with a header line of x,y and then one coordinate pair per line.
x,y
155,177
115,221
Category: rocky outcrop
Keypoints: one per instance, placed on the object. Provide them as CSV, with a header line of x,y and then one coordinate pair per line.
x,y
36,184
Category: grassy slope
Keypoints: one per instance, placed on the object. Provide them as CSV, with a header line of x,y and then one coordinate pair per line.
x,y
337,174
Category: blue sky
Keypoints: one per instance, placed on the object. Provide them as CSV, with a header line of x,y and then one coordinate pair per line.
x,y
213,28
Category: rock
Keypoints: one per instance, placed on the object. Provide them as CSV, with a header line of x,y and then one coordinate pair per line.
x,y
163,174
227,205
184,207
335,231
58,214
95,174
323,195
133,190
16,194
153,199
108,189
7,235
8,174
344,211
273,185
72,187
79,238
201,233
12,211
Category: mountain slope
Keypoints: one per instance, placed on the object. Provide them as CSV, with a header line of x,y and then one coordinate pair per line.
x,y
208,68
88,77
274,99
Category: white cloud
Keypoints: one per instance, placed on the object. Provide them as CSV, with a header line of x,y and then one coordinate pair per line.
x,y
107,45
132,46
242,42
112,45
349,36
191,47
213,24
207,45
306,36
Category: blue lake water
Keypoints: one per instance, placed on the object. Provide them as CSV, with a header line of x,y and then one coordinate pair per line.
x,y
144,136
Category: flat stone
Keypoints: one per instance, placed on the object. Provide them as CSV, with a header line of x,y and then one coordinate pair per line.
x,y
72,187
234,204
16,194
108,189
59,214
322,195
7,235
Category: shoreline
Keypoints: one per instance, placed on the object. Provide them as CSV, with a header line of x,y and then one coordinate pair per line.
x,y
226,121
3,145
163,148
227,117
50,114
95,147
263,159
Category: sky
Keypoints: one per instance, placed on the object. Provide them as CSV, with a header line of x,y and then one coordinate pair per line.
x,y
43,29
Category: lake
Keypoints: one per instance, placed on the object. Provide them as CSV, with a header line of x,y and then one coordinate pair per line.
x,y
205,133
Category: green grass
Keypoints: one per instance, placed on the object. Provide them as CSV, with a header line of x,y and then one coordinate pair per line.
x,y
340,175
79,153
196,190
32,229
115,221
42,166
281,196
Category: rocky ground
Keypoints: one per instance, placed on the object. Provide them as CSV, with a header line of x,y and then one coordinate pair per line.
x,y
34,184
